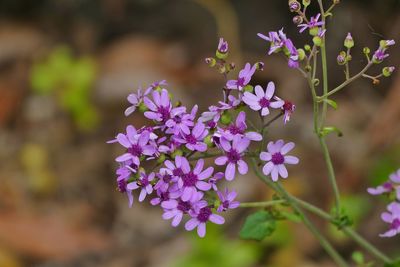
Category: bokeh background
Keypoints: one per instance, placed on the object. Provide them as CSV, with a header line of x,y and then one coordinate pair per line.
x,y
66,67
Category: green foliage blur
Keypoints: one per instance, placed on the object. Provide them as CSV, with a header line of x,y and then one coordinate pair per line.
x,y
70,80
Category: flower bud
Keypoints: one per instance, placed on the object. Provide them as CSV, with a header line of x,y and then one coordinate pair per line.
x,y
314,31
307,47
226,118
342,58
297,20
366,50
161,159
387,71
348,42
177,152
336,2
210,61
260,66
222,51
294,6
302,54
208,140
386,43
142,107
317,41
306,2
248,88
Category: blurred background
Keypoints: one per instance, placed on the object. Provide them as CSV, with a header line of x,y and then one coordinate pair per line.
x,y
66,68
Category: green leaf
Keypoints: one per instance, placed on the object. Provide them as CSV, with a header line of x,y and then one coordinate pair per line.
x,y
330,129
258,226
394,264
331,103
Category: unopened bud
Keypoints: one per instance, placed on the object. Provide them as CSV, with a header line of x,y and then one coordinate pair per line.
x,y
366,50
208,140
222,51
248,88
302,54
317,41
226,118
348,42
297,20
336,2
341,58
142,107
260,66
307,47
294,6
387,71
314,31
210,61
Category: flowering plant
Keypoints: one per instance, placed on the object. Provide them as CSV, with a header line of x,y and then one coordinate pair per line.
x,y
175,145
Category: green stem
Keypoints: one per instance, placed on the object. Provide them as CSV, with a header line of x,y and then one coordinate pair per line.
x,y
261,204
344,84
347,230
292,202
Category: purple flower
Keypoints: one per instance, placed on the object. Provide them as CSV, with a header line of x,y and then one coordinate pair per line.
x,y
136,100
233,156
136,144
222,46
388,187
238,128
155,85
244,78
311,24
175,209
164,195
227,200
144,183
201,218
161,108
181,123
379,55
392,217
276,158
262,100
194,139
123,174
165,178
191,180
288,109
174,169
277,41
280,41
214,180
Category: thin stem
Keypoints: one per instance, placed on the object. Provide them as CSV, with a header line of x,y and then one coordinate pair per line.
x,y
206,155
347,71
273,119
344,84
292,202
347,230
261,204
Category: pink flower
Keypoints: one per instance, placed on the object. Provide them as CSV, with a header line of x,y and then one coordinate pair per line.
x,y
276,159
262,100
200,219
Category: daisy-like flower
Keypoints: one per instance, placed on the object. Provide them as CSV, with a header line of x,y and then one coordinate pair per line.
x,y
136,145
243,79
175,208
262,100
123,174
314,22
393,185
191,180
227,200
277,40
136,100
233,156
144,183
239,128
392,217
161,107
181,123
200,219
194,140
164,195
276,159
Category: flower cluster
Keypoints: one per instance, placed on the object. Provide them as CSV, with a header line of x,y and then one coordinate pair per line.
x,y
164,162
391,189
